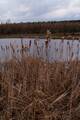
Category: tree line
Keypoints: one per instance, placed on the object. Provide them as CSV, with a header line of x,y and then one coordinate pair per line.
x,y
65,27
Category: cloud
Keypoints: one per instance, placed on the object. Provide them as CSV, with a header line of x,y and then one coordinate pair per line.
x,y
37,10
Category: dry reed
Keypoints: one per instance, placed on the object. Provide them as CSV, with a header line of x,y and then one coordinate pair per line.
x,y
33,89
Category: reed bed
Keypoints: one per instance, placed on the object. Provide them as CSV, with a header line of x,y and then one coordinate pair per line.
x,y
35,89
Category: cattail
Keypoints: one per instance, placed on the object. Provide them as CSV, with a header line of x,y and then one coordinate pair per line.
x,y
30,43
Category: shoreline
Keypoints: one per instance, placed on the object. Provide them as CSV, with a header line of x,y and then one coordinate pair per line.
x,y
35,36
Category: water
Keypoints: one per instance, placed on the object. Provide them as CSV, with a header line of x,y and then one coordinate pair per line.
x,y
56,50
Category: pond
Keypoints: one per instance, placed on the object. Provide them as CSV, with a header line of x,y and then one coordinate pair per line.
x,y
54,50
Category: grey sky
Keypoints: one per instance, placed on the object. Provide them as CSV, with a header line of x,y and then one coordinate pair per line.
x,y
39,10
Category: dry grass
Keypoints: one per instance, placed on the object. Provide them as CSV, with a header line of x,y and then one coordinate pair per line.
x,y
31,89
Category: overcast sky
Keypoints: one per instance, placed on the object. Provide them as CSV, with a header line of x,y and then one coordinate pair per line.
x,y
39,10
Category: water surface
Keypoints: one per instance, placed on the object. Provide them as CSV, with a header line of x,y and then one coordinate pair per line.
x,y
56,50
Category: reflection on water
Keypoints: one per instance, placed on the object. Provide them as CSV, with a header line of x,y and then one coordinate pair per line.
x,y
53,50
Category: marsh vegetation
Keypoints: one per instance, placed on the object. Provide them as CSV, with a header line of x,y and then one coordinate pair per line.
x,y
34,88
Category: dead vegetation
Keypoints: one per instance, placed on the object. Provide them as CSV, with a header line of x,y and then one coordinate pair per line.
x,y
31,89
34,89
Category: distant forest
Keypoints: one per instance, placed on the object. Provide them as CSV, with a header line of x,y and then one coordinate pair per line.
x,y
61,27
